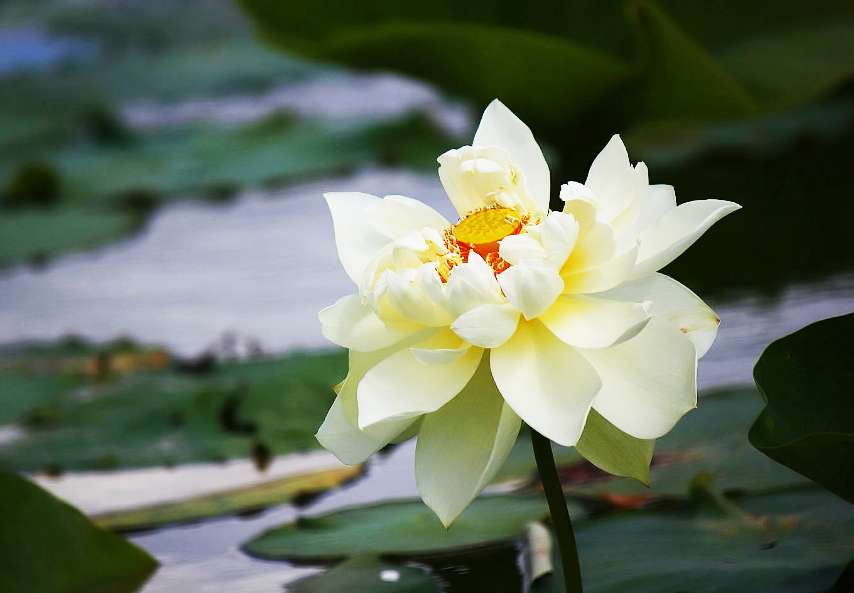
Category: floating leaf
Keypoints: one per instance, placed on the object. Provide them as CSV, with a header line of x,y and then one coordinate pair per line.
x,y
242,500
367,574
807,382
405,528
172,416
784,542
50,547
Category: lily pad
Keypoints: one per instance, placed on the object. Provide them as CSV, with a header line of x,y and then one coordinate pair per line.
x,y
710,439
171,416
243,500
48,546
807,382
366,574
783,542
405,528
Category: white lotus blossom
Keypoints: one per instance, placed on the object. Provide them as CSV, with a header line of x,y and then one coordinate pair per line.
x,y
460,331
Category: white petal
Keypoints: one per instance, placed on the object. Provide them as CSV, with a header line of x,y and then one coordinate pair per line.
x,y
648,382
595,244
357,241
471,285
548,383
602,277
589,322
500,126
675,303
403,387
487,326
353,324
629,216
559,234
339,432
674,232
608,165
515,248
532,286
462,446
413,303
618,193
351,445
394,215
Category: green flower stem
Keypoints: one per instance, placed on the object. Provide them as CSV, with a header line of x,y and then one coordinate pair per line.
x,y
560,514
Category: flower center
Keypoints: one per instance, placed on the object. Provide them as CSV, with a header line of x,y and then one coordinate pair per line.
x,y
480,231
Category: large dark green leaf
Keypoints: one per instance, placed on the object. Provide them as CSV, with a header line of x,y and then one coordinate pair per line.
x,y
47,546
807,381
406,528
786,542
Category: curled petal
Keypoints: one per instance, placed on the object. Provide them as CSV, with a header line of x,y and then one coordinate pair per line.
x,y
357,241
462,445
500,126
673,233
648,382
589,322
353,324
531,286
471,285
487,326
412,302
546,382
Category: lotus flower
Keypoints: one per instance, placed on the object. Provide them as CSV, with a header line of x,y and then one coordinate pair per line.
x,y
460,331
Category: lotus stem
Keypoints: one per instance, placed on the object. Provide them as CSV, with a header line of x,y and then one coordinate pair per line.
x,y
559,512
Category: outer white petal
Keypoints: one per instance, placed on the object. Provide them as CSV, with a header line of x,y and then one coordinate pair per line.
x,y
339,433
602,277
471,285
515,248
618,193
351,445
443,348
353,324
609,448
531,286
357,241
675,303
674,232
462,446
403,387
589,322
413,303
394,215
500,126
608,165
648,382
548,383
487,326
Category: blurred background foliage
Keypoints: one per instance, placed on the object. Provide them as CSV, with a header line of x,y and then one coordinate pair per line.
x,y
112,111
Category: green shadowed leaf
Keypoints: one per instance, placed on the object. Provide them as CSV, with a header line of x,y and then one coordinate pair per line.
x,y
785,542
406,528
47,546
807,381
366,574
682,81
793,66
